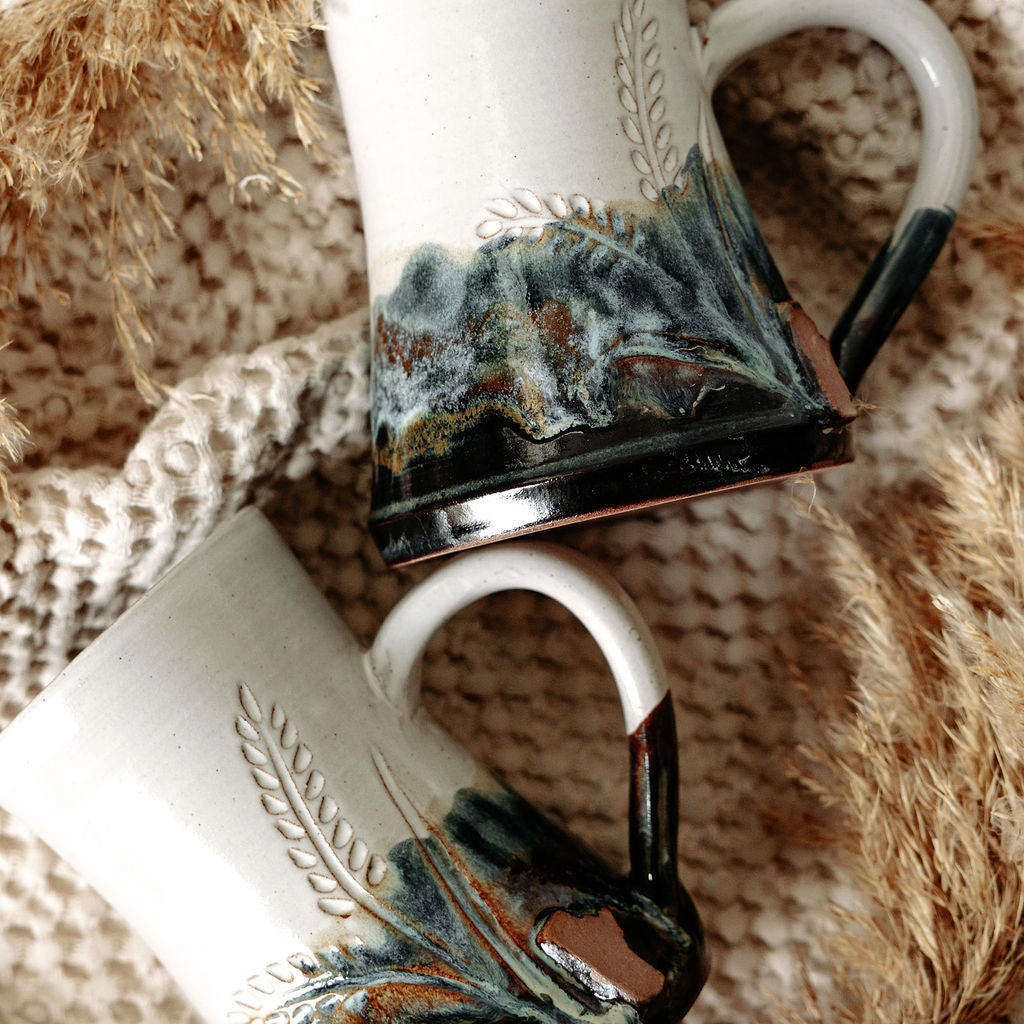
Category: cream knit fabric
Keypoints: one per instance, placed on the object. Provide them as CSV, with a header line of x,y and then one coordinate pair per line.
x,y
262,325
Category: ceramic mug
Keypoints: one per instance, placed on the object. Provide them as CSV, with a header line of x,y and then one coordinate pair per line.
x,y
573,311
298,841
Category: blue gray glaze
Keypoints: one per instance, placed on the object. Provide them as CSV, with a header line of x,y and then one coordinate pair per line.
x,y
641,309
475,891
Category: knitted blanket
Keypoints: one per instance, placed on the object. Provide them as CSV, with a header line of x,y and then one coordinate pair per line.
x,y
255,306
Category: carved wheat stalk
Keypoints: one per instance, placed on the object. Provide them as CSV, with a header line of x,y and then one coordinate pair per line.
x,y
325,846
656,158
523,212
326,991
277,775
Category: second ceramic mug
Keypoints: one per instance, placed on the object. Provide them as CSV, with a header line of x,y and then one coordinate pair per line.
x,y
573,309
299,841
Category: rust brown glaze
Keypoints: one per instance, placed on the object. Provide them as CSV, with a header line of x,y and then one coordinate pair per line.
x,y
494,914
654,341
818,358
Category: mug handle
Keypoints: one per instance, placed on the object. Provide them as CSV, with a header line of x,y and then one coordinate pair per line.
x,y
395,658
920,41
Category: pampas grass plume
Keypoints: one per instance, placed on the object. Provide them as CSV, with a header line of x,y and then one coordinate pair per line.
x,y
99,98
925,774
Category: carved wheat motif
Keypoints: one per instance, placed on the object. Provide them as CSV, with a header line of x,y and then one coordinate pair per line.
x,y
604,233
524,213
494,977
338,864
259,1002
640,93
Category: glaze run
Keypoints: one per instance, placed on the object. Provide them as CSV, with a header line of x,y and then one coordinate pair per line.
x,y
642,309
505,918
656,339
490,914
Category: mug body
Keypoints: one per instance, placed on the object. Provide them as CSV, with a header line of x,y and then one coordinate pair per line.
x,y
190,762
299,846
572,309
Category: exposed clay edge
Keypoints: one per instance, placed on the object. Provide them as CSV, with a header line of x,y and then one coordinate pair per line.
x,y
819,362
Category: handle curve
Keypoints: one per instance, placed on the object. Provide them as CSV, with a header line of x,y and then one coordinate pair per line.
x,y
587,591
626,642
919,40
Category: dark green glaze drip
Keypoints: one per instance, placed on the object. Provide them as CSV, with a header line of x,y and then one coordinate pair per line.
x,y
638,310
477,890
887,288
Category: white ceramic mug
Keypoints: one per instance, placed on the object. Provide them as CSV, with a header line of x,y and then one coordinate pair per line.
x,y
573,309
298,841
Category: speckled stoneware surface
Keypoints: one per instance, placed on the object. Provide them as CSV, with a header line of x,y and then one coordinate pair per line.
x,y
262,317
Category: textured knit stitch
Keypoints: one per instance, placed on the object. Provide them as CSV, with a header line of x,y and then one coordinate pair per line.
x,y
262,337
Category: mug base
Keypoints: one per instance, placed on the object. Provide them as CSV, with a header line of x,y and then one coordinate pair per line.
x,y
663,466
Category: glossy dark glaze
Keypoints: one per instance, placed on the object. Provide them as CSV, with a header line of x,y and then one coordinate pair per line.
x,y
653,854
887,288
667,464
494,913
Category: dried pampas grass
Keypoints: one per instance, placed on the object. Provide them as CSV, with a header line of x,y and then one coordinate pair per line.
x,y
999,231
13,437
926,775
99,98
